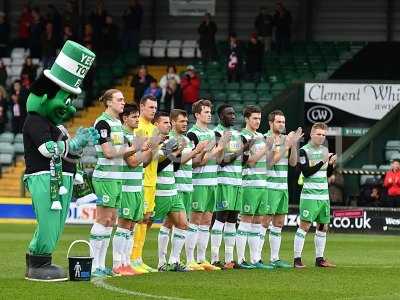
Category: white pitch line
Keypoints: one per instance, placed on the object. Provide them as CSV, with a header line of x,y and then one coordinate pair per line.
x,y
99,282
369,266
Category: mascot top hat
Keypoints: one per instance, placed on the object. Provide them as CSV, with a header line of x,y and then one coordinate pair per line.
x,y
70,67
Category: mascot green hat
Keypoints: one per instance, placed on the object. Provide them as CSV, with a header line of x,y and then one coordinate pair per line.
x,y
70,67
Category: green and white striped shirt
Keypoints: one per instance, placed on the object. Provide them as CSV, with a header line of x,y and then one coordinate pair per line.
x,y
255,176
205,175
183,176
165,184
315,187
133,176
277,175
110,168
231,174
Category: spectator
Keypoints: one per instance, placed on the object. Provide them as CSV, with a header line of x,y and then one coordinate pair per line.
x,y
18,106
140,82
29,71
3,109
234,64
88,36
207,31
110,40
72,16
54,16
98,19
49,46
263,25
165,80
3,74
132,20
153,90
89,80
4,35
36,34
254,58
336,187
24,24
173,96
68,34
370,195
392,183
282,22
190,85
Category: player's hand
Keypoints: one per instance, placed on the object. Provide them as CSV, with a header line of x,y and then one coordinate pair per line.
x,y
201,147
333,159
225,138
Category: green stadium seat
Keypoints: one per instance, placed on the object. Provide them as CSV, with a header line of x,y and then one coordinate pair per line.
x,y
232,87
220,96
234,97
248,86
263,87
249,98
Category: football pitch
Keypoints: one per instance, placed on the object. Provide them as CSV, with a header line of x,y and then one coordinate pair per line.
x,y
368,267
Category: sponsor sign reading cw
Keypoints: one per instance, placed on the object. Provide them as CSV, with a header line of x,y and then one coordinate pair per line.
x,y
371,101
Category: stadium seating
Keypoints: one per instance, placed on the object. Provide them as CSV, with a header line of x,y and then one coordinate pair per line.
x,y
368,178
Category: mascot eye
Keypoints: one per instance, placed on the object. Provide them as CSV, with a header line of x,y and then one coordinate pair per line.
x,y
68,102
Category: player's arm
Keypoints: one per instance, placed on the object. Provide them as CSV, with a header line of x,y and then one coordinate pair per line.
x,y
219,152
199,148
199,159
252,159
108,150
304,165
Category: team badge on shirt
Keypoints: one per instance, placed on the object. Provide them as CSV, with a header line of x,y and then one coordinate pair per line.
x,y
103,133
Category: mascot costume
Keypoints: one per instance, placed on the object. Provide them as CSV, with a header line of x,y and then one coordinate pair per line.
x,y
51,155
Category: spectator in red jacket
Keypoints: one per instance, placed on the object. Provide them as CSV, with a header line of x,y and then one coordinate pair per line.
x,y
392,183
190,85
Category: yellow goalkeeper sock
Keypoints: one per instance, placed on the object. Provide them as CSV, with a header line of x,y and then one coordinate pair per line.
x,y
139,238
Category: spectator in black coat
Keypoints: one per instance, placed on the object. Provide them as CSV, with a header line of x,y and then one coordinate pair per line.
x,y
140,82
234,59
29,70
207,45
254,58
110,38
282,22
36,34
49,46
3,74
263,25
4,35
132,20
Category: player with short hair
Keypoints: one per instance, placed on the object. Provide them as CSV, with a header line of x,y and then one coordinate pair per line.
x,y
132,207
204,185
284,154
107,177
254,182
148,108
229,195
169,206
316,165
183,170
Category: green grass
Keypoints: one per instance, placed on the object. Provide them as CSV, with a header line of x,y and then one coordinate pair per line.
x,y
368,268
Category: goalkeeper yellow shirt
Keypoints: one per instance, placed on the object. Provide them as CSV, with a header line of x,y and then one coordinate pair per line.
x,y
150,172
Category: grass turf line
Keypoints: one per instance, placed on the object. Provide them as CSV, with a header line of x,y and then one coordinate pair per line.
x,y
375,275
